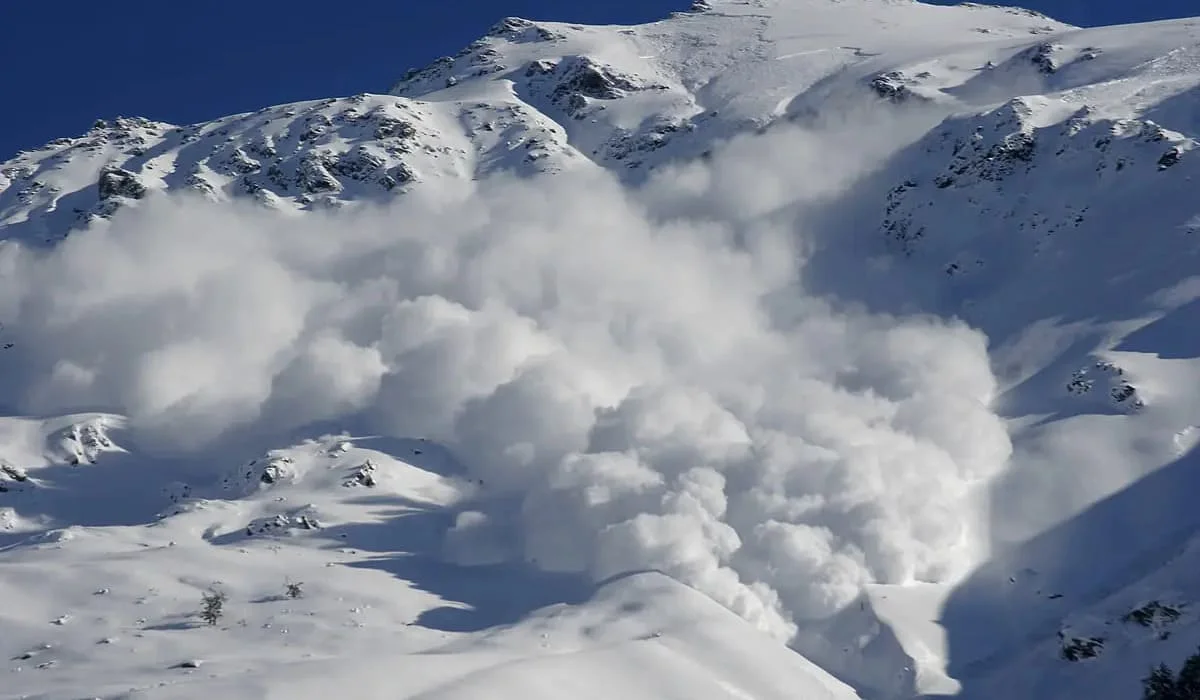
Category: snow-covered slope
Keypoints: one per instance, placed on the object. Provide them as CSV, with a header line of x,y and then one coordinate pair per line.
x,y
705,330
108,605
528,97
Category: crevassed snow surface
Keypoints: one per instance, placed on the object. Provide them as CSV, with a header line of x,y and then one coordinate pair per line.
x,y
789,348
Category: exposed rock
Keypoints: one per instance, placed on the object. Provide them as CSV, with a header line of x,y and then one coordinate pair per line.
x,y
363,476
198,183
239,162
313,176
416,77
581,75
1044,56
283,523
190,663
258,473
275,471
118,182
1171,157
315,126
1120,391
982,154
1080,648
894,86
1080,382
12,477
263,147
388,127
1155,615
628,146
1125,393
358,164
519,30
396,176
84,442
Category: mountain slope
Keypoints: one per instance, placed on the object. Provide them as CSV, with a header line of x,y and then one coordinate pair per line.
x,y
528,97
108,609
671,296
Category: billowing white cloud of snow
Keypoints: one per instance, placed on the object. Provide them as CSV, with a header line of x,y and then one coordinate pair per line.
x,y
640,369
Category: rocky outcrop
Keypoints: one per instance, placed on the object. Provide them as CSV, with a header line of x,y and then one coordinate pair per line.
x,y
82,442
12,478
574,84
304,519
630,147
1044,57
1107,380
261,473
363,476
896,87
118,182
972,165
519,30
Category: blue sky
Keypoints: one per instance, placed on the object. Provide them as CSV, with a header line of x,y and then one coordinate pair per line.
x,y
189,61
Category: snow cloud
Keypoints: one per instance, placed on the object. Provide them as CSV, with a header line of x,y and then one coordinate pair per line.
x,y
640,369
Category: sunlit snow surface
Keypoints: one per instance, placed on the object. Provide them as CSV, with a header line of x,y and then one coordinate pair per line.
x,y
777,349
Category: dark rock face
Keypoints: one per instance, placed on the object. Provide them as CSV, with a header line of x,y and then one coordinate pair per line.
x,y
891,86
575,84
313,176
1078,649
477,59
897,87
583,76
117,182
259,473
282,524
387,127
630,147
1170,158
1044,57
12,477
519,30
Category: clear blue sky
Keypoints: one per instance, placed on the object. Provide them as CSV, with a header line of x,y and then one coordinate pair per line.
x,y
68,63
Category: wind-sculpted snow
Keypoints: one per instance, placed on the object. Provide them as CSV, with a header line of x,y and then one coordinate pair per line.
x,y
655,389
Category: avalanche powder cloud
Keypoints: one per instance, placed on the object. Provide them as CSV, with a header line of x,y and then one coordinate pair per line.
x,y
640,371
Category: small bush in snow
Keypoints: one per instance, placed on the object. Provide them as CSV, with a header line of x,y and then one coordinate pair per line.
x,y
212,606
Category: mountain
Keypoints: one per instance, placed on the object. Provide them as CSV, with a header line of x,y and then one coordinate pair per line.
x,y
779,348
530,97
